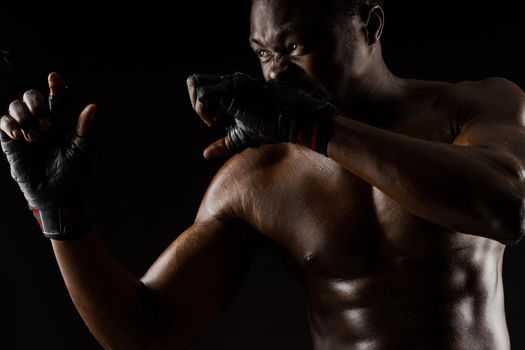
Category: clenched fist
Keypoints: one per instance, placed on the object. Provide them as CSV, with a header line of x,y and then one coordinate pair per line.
x,y
263,112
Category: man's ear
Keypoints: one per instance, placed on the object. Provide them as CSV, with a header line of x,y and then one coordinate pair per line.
x,y
374,24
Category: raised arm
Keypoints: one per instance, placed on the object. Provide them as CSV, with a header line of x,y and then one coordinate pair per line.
x,y
475,185
185,288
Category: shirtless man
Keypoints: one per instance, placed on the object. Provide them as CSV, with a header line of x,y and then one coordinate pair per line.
x,y
394,217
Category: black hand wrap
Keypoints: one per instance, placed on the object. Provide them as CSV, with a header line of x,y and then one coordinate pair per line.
x,y
50,174
269,112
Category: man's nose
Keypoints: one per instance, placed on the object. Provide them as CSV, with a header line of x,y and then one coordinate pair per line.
x,y
282,69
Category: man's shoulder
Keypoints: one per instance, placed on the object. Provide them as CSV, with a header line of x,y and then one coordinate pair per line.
x,y
240,177
253,164
490,96
468,90
490,101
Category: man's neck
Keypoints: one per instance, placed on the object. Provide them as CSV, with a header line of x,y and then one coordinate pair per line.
x,y
375,94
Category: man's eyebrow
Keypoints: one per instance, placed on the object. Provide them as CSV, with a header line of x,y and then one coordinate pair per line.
x,y
283,32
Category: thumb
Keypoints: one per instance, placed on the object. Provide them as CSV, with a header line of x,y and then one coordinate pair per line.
x,y
56,85
219,148
85,120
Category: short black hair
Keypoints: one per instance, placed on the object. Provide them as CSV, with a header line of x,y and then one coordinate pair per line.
x,y
349,8
344,9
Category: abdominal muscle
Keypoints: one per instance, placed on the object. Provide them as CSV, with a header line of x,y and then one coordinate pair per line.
x,y
375,275
434,306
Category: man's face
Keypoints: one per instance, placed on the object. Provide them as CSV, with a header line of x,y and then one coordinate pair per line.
x,y
297,41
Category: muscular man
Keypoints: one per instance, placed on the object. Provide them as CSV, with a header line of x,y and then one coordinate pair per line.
x,y
391,200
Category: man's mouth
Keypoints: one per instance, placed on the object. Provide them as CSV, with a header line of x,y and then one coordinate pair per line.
x,y
314,88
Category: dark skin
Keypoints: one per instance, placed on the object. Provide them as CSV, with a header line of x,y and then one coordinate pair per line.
x,y
397,237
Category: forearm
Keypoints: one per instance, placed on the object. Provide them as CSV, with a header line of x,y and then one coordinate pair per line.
x,y
457,187
51,165
107,296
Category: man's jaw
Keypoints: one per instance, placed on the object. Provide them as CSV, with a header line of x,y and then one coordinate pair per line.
x,y
314,88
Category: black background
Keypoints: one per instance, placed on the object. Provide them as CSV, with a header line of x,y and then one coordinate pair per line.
x,y
132,59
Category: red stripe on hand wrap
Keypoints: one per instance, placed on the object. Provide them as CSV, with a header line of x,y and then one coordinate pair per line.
x,y
36,214
300,136
315,132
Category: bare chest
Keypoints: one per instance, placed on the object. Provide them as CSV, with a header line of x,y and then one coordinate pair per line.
x,y
330,221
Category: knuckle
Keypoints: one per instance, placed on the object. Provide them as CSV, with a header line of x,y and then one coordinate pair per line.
x,y
3,123
31,92
6,123
16,104
199,108
31,96
190,81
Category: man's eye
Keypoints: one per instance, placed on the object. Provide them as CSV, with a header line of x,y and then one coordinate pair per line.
x,y
295,48
263,53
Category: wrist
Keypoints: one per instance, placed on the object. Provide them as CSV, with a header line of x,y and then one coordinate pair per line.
x,y
315,132
62,223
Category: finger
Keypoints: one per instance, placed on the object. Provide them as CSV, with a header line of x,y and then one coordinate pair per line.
x,y
10,127
197,80
194,83
209,79
56,85
19,111
85,120
218,149
57,89
191,82
37,106
206,116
